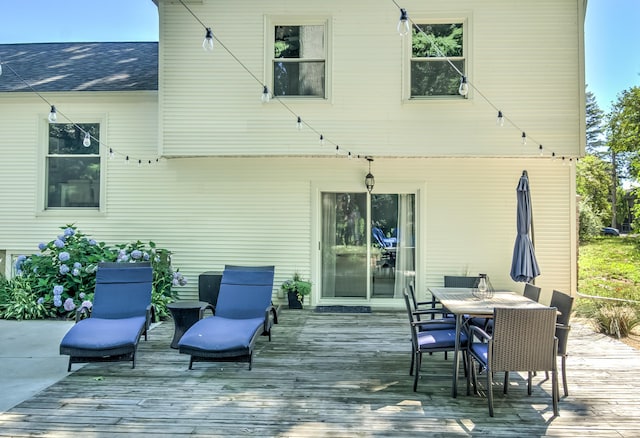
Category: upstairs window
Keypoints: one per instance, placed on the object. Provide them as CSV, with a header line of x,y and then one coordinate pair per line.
x,y
432,52
299,60
73,169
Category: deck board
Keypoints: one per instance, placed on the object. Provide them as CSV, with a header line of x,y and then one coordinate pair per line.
x,y
328,374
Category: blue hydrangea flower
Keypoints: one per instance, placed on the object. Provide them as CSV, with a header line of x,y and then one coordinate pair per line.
x,y
41,300
64,256
145,256
69,231
87,304
69,305
75,272
42,246
62,237
82,295
57,290
77,265
124,258
136,254
64,269
92,242
19,261
57,301
58,243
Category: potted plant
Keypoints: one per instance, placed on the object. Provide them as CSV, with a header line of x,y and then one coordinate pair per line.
x,y
296,289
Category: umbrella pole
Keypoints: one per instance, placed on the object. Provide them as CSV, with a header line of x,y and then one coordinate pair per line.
x,y
533,236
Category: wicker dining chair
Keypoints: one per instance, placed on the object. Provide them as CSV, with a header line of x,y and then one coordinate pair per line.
x,y
523,339
429,337
532,292
564,304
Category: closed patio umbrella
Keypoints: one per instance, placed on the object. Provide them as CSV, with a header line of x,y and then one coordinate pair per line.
x,y
524,266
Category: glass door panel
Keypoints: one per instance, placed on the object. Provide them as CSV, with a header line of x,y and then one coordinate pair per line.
x,y
392,244
344,245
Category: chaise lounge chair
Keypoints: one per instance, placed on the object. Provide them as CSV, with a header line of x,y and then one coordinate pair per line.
x,y
120,314
243,312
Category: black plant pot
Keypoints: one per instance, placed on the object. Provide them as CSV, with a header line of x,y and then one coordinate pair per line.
x,y
294,303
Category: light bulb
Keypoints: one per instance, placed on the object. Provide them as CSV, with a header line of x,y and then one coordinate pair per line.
x,y
53,115
524,138
266,97
299,123
541,150
349,155
126,160
139,163
321,140
500,119
404,28
87,140
207,43
464,86
553,156
111,154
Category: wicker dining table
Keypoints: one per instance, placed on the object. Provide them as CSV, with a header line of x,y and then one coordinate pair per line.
x,y
462,302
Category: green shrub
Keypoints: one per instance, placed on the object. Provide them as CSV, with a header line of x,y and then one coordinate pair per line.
x,y
17,301
62,276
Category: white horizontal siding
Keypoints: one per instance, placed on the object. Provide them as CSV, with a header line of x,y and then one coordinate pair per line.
x,y
525,56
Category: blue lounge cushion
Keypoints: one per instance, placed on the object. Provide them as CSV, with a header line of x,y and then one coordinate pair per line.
x,y
97,334
221,334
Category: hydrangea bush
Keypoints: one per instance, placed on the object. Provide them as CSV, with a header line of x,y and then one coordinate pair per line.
x,y
61,278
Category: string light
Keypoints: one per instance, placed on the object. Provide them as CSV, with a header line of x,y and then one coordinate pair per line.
x,y
404,27
541,150
53,118
321,140
266,97
463,90
500,119
53,114
524,138
299,123
87,140
207,42
126,160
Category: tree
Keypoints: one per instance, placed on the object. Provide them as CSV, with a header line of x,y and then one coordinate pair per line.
x,y
624,129
595,128
593,184
623,139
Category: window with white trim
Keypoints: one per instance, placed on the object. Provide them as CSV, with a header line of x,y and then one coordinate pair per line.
x,y
299,59
72,166
438,59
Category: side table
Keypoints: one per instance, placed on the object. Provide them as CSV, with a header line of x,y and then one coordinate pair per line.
x,y
185,314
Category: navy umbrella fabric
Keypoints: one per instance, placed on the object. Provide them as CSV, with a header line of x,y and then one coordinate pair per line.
x,y
524,266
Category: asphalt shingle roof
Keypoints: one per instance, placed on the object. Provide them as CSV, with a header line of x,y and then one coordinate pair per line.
x,y
100,66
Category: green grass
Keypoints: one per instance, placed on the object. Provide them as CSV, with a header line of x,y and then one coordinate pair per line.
x,y
610,267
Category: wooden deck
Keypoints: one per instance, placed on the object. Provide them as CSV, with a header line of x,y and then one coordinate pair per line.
x,y
328,375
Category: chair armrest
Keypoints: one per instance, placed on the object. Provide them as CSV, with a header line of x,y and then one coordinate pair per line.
x,y
84,310
478,333
427,323
429,312
204,309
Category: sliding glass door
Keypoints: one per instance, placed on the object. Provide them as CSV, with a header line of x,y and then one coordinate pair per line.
x,y
367,244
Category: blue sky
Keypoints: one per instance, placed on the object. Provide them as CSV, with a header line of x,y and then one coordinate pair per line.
x,y
612,33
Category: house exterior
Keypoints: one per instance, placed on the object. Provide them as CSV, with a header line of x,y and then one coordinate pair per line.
x,y
198,163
